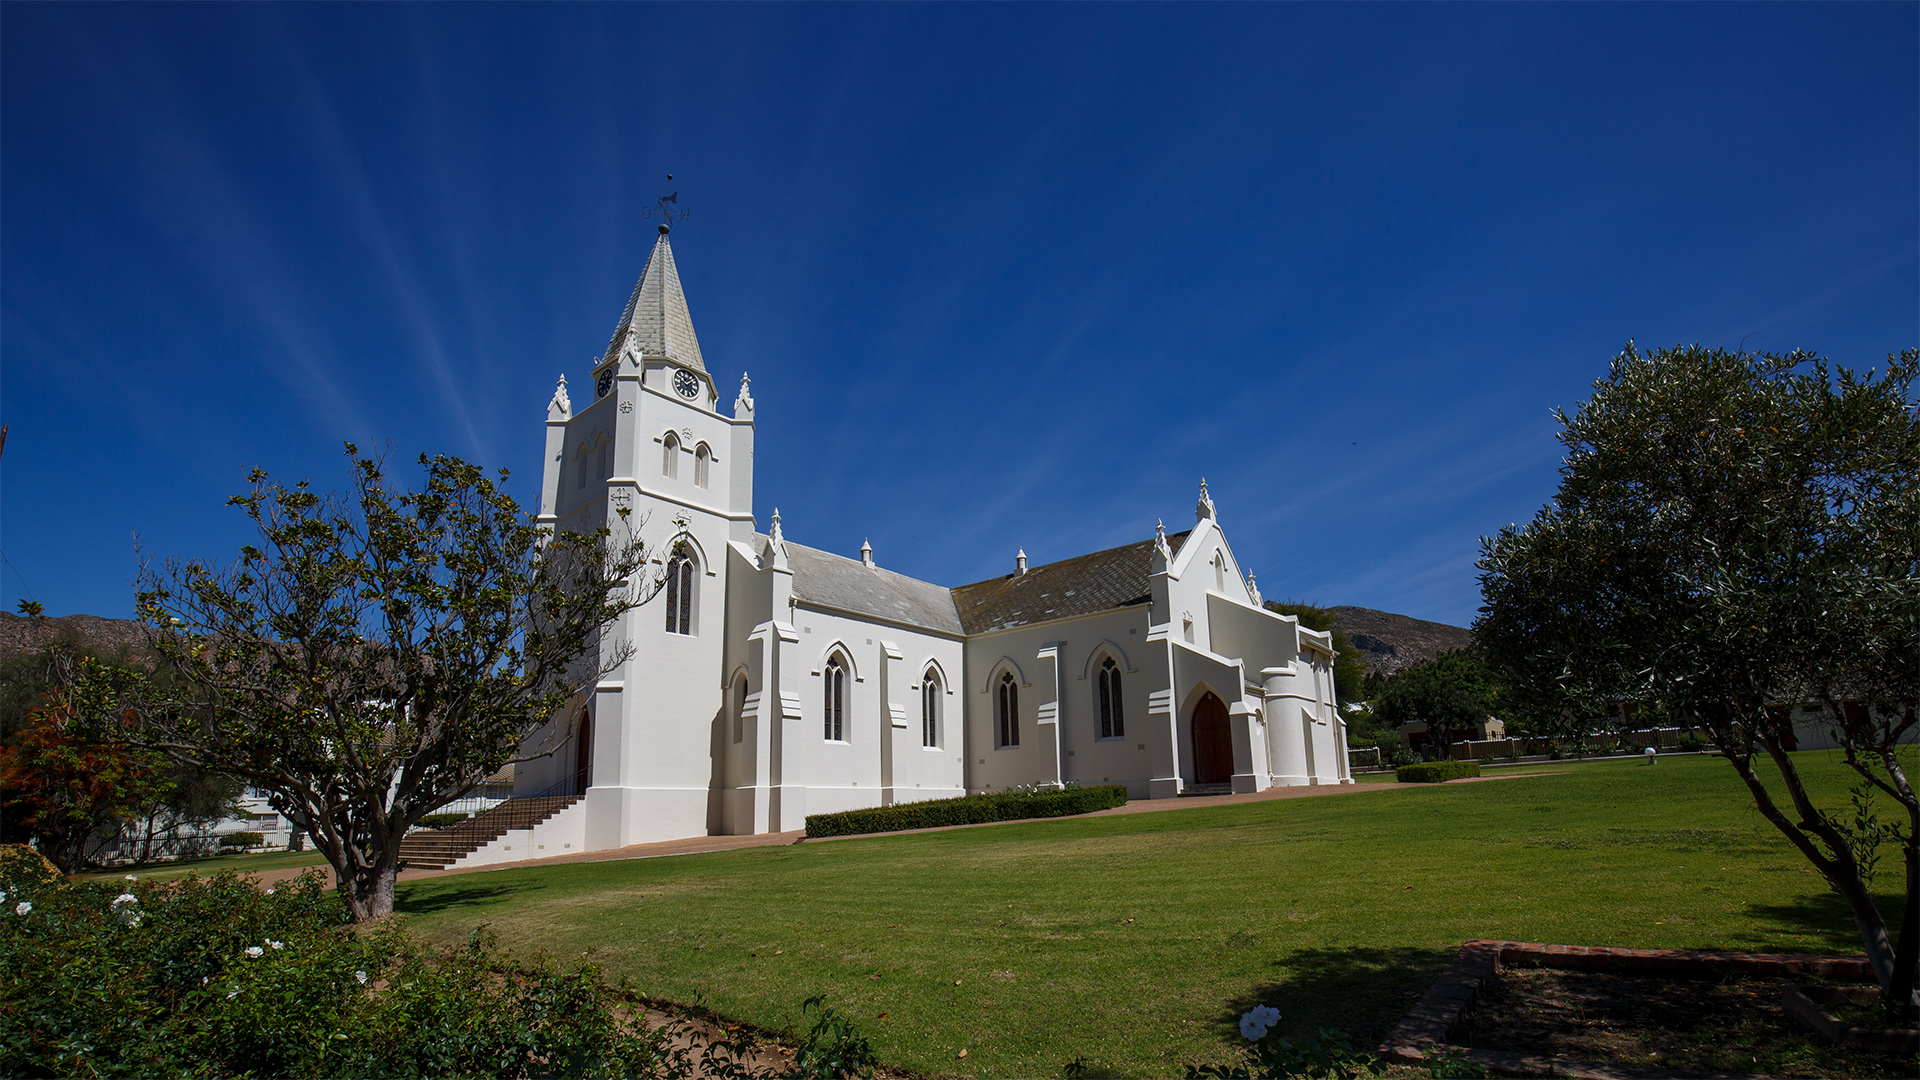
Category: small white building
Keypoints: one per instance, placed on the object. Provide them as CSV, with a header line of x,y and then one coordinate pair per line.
x,y
769,680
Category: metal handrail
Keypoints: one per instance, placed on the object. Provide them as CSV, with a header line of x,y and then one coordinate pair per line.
x,y
517,812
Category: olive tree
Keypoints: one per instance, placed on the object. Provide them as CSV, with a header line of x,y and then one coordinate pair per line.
x,y
1734,536
373,656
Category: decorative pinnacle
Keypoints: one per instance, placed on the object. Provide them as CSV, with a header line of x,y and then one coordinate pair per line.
x,y
1204,508
773,532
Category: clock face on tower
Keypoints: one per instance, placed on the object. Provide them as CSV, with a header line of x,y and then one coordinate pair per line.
x,y
604,383
686,384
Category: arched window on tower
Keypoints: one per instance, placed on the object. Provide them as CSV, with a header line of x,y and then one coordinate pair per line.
x,y
1009,710
670,456
930,708
836,701
740,708
1111,723
679,590
701,458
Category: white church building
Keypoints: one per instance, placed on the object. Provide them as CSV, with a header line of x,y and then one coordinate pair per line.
x,y
769,680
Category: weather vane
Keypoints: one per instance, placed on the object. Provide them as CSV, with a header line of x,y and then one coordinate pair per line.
x,y
667,213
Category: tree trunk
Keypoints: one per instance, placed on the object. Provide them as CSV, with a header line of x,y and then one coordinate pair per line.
x,y
370,892
1903,998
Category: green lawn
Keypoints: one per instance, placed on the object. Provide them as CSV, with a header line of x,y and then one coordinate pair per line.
x,y
1133,943
213,864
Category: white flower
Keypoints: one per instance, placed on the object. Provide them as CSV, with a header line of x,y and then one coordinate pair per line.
x,y
233,994
1255,1023
130,877
23,907
254,950
269,892
362,976
125,899
277,945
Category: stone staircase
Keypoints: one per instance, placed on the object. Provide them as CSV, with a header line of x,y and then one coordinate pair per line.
x,y
437,849
1194,791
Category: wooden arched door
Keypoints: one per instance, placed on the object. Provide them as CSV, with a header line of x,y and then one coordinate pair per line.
x,y
1212,742
583,754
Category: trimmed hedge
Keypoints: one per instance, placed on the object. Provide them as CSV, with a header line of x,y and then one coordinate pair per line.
x,y
441,821
1436,772
970,810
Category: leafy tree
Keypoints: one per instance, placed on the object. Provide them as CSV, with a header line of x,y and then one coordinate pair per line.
x,y
373,657
1349,666
1449,693
66,784
1734,534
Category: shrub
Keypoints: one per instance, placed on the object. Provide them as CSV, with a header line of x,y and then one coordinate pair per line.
x,y
1403,756
972,809
22,868
1436,772
1692,740
215,976
441,821
242,840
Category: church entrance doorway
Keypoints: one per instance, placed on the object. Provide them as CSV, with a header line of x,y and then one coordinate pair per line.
x,y
583,754
1212,742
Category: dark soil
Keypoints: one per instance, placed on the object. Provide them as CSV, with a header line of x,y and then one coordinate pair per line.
x,y
1733,1026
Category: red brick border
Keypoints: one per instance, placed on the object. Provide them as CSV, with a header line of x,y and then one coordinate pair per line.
x,y
1432,1021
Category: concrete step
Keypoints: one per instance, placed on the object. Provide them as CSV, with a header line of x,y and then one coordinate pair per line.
x,y
437,849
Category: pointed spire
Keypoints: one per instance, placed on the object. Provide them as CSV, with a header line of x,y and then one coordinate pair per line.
x,y
866,553
1020,560
776,543
1160,540
1204,508
743,405
656,322
560,408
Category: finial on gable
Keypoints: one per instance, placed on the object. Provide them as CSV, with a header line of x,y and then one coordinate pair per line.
x,y
560,408
776,544
1160,540
1253,590
866,553
743,405
1204,508
1020,561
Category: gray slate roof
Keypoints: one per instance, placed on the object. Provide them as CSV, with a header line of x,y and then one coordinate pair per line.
x,y
849,585
656,321
1099,581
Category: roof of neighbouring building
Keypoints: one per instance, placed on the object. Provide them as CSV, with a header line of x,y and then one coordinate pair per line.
x,y
656,321
1099,581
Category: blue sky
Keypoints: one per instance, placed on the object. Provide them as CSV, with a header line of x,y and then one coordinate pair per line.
x,y
1004,276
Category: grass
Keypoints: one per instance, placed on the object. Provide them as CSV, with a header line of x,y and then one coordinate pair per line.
x,y
204,866
1133,943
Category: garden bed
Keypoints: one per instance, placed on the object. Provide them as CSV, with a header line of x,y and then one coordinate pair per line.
x,y
1736,1025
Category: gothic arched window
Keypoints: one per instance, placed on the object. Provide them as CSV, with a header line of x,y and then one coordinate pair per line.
x,y
836,701
701,457
670,456
680,595
1009,710
930,709
1111,723
740,708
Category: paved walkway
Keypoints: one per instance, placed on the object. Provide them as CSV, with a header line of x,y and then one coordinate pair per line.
x,y
696,845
